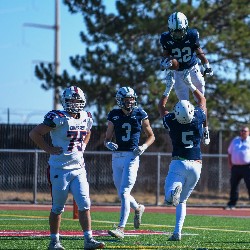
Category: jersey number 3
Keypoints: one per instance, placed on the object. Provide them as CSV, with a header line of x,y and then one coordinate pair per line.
x,y
127,127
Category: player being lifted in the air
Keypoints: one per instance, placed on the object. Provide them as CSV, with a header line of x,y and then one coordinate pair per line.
x,y
182,43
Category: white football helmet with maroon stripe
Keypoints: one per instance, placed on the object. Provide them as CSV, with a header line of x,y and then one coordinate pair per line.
x,y
68,98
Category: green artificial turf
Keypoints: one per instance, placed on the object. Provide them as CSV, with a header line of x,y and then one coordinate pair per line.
x,y
199,232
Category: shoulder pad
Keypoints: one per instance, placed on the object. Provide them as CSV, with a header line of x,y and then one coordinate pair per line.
x,y
58,112
193,32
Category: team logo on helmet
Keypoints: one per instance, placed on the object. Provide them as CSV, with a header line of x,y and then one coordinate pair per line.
x,y
126,92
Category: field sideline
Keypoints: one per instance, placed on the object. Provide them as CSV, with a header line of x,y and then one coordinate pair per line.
x,y
26,227
240,212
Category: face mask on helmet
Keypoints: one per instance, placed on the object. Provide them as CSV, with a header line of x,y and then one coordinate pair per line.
x,y
126,98
177,25
184,111
73,99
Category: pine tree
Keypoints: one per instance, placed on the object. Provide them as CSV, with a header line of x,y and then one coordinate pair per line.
x,y
123,49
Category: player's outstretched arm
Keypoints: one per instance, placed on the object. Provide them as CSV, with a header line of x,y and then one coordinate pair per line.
x,y
162,106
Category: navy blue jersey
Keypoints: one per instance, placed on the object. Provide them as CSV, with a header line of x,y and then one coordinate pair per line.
x,y
183,50
127,127
186,138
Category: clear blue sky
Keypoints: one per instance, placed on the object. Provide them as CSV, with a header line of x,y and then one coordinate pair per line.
x,y
22,47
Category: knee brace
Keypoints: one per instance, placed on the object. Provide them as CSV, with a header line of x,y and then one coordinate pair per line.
x,y
57,209
85,205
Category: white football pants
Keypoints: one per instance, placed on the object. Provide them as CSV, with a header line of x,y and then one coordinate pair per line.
x,y
181,89
64,181
125,166
185,173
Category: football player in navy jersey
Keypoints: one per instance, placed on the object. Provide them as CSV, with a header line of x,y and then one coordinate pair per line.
x,y
70,131
126,123
182,43
184,126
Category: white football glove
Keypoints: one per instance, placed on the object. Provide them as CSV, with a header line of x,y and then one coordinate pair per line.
x,y
169,82
111,146
140,149
208,70
166,63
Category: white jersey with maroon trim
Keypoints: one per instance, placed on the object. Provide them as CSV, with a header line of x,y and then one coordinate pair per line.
x,y
68,133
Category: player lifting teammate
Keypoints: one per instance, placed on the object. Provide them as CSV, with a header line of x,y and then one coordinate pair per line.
x,y
182,43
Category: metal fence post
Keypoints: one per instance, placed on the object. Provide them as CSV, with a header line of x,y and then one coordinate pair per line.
x,y
220,161
35,177
158,176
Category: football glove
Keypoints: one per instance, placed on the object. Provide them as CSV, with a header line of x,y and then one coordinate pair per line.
x,y
140,149
111,146
166,63
208,70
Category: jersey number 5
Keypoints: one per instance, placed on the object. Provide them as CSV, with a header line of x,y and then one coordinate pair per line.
x,y
185,140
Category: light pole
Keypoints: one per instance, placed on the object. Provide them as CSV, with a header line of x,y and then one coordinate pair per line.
x,y
56,28
57,54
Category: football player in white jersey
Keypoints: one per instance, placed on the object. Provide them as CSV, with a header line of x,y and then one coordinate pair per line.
x,y
126,123
70,131
182,43
184,126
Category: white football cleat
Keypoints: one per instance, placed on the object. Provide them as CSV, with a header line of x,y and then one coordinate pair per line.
x,y
117,233
138,215
176,195
91,243
55,245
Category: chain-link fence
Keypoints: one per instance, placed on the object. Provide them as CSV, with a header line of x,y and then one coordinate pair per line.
x,y
23,177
